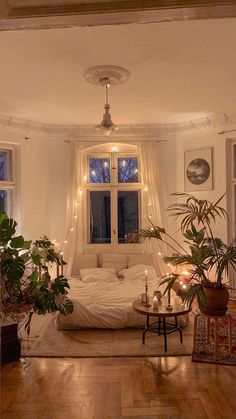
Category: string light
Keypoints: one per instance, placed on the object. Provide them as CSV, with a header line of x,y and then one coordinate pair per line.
x,y
72,229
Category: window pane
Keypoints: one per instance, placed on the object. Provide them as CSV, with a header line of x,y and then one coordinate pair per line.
x,y
99,170
128,216
4,201
128,169
5,165
100,217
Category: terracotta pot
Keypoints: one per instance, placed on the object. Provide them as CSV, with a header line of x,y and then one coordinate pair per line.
x,y
216,301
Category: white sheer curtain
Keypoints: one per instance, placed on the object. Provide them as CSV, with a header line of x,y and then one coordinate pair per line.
x,y
74,206
152,196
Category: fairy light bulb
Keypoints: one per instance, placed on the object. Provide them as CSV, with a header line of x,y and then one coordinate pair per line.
x,y
114,149
75,216
146,188
159,253
65,241
149,204
184,286
123,163
72,229
85,177
105,164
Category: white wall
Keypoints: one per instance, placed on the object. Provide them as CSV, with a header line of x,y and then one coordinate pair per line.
x,y
196,140
43,184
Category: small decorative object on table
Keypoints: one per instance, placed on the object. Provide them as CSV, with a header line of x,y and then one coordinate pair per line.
x,y
155,303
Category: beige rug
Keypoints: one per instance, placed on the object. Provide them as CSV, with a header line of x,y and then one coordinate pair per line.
x,y
46,341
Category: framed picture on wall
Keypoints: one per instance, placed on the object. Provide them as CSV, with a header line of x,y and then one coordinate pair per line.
x,y
198,170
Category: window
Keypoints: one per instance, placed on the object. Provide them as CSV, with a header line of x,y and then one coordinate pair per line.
x,y
7,180
113,187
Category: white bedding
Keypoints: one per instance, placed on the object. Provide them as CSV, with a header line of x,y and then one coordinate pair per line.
x,y
105,304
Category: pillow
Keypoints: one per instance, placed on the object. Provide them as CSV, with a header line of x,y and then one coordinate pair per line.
x,y
138,272
82,261
98,275
114,260
139,259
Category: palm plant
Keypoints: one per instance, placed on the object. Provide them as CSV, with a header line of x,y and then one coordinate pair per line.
x,y
206,256
25,276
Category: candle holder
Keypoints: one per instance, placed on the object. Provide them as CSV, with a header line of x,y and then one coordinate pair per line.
x,y
146,301
169,306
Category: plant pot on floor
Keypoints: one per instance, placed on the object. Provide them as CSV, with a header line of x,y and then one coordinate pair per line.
x,y
216,301
10,344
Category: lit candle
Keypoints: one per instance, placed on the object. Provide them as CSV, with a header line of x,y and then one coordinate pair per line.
x,y
155,303
146,276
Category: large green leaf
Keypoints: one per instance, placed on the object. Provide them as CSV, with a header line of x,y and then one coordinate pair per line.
x,y
7,230
17,242
13,268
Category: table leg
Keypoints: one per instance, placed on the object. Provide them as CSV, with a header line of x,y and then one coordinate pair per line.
x,y
164,333
159,326
179,330
145,330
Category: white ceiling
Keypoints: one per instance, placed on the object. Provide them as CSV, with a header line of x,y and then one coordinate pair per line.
x,y
180,71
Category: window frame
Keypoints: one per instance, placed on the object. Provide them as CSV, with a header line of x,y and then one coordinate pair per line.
x,y
114,187
11,185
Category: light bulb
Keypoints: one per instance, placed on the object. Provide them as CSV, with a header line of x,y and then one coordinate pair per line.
x,y
123,163
72,229
145,188
85,177
105,164
114,149
93,172
65,241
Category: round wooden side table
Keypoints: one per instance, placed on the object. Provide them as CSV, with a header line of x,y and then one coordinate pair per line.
x,y
159,325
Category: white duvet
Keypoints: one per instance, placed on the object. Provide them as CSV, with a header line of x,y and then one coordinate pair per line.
x,y
105,304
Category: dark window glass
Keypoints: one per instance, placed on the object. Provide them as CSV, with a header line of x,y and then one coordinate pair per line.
x,y
99,170
100,217
3,201
5,165
128,216
128,170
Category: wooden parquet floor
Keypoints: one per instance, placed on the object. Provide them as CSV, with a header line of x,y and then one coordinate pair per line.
x,y
115,388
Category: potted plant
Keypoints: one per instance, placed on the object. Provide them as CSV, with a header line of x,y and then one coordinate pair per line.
x,y
206,256
27,283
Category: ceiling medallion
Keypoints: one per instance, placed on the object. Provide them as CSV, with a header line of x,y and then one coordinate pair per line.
x,y
106,76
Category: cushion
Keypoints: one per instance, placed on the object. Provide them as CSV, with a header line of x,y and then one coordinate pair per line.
x,y
114,260
82,260
138,272
139,259
98,275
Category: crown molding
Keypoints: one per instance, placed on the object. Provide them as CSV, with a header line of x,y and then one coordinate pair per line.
x,y
37,14
154,131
